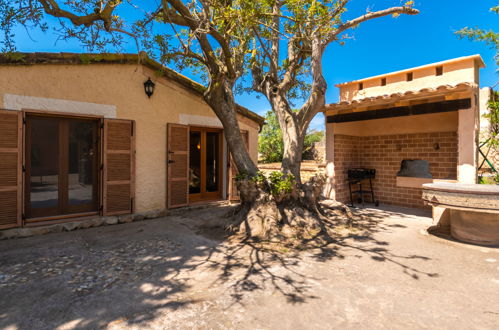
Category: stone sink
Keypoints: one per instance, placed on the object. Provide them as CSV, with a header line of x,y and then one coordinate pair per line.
x,y
470,210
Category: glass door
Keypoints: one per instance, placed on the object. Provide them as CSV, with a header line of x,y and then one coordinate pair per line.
x,y
42,167
205,164
61,166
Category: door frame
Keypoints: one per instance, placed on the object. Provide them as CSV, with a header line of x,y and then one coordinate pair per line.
x,y
205,196
97,175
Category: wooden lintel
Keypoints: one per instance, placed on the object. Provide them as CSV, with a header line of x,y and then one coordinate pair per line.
x,y
417,109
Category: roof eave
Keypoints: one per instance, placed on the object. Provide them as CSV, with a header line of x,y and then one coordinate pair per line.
x,y
20,58
396,97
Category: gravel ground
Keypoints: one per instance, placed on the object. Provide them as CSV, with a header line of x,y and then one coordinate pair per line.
x,y
173,273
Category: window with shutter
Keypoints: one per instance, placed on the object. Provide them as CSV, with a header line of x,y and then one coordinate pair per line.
x,y
118,169
10,169
178,165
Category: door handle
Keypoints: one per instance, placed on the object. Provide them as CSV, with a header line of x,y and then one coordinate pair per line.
x,y
171,161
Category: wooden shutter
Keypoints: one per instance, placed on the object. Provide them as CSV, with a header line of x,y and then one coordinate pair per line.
x,y
118,166
232,171
178,165
10,169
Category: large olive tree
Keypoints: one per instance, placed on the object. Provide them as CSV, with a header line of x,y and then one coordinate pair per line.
x,y
293,36
276,42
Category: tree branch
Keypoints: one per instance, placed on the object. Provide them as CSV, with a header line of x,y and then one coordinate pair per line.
x,y
105,15
194,24
352,23
222,41
296,58
171,16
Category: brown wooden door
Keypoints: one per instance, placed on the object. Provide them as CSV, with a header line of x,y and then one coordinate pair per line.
x,y
205,164
233,193
61,159
177,165
118,167
10,169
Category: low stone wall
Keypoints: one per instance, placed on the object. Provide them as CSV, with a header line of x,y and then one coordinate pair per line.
x,y
308,169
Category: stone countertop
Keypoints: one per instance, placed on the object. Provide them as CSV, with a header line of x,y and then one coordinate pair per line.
x,y
462,188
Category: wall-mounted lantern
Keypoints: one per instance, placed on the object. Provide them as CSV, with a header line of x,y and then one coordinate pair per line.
x,y
149,87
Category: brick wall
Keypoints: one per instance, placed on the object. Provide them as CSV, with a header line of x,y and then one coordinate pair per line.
x,y
346,155
385,154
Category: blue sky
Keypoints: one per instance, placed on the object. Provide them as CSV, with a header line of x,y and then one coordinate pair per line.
x,y
378,46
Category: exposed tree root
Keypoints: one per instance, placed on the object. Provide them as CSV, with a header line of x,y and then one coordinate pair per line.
x,y
300,214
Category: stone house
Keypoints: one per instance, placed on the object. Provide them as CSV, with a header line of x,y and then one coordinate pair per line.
x,y
80,137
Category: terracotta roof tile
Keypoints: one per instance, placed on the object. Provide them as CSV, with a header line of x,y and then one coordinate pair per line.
x,y
394,97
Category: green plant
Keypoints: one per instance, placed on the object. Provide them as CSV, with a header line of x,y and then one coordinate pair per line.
x,y
489,179
270,143
281,183
259,177
493,117
15,56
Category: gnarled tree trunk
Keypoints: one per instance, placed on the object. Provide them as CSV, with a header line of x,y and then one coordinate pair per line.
x,y
220,98
293,134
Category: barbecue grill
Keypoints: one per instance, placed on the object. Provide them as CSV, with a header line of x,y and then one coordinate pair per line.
x,y
356,176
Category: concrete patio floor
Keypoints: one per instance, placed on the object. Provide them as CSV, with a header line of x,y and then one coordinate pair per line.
x,y
170,273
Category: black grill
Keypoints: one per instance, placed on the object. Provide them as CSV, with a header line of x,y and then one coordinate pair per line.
x,y
356,176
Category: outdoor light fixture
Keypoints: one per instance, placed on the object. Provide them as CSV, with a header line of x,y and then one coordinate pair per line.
x,y
149,87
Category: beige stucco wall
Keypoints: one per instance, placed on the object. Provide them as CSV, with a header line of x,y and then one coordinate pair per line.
x,y
119,87
484,97
423,77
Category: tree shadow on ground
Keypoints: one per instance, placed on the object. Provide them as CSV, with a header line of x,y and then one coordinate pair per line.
x,y
252,265
89,278
128,274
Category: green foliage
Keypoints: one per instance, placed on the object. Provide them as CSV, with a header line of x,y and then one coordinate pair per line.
x,y
493,117
270,144
85,59
15,56
32,15
281,183
259,177
488,179
276,44
241,176
490,37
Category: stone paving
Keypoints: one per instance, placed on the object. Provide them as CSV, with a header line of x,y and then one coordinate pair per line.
x,y
173,272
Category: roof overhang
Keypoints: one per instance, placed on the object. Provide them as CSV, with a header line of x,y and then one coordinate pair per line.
x,y
387,100
112,58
